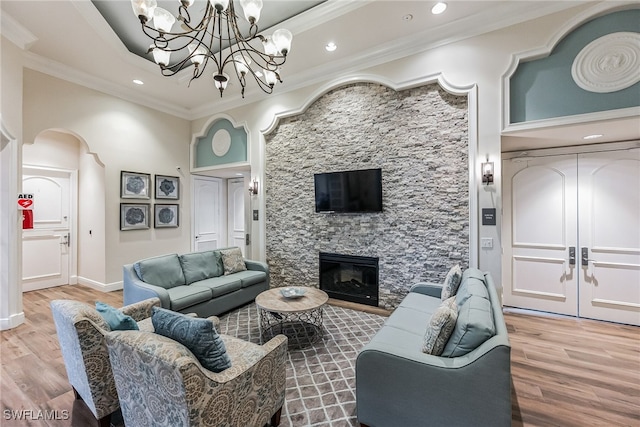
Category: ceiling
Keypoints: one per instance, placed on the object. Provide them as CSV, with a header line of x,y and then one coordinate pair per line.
x,y
72,40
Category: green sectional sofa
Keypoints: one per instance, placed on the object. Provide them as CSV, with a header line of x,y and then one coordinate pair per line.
x,y
205,283
468,384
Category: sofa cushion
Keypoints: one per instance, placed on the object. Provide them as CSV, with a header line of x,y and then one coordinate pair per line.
x,y
250,277
198,335
440,327
117,320
471,287
409,319
421,302
451,282
200,265
221,285
232,260
164,271
393,338
185,296
473,327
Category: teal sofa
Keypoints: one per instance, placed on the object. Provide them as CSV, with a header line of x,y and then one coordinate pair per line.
x,y
194,283
469,384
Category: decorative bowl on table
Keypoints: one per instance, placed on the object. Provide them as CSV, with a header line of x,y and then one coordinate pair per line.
x,y
292,292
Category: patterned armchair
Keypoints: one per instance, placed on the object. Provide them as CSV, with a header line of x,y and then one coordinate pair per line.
x,y
161,383
81,331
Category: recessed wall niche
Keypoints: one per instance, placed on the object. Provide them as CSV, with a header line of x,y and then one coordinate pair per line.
x,y
222,144
419,137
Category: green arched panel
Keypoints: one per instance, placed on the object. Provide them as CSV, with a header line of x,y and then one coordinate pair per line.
x,y
205,155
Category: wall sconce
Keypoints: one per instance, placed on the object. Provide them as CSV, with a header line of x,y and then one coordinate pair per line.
x,y
487,173
253,187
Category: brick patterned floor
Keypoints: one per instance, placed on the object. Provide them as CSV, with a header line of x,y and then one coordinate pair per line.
x,y
321,378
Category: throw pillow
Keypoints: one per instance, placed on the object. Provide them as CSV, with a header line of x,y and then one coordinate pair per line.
x,y
197,334
451,282
199,266
117,320
232,260
440,326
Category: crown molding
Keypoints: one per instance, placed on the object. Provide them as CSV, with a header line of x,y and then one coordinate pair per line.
x,y
16,33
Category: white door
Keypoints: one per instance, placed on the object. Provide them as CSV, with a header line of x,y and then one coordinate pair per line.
x,y
45,248
235,214
540,206
609,224
559,205
207,215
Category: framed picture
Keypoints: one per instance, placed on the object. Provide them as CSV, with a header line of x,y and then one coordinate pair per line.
x,y
134,185
134,216
167,187
166,215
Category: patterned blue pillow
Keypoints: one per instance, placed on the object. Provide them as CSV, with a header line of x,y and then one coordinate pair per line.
x,y
117,320
197,334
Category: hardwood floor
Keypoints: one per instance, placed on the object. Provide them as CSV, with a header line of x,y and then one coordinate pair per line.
x,y
566,371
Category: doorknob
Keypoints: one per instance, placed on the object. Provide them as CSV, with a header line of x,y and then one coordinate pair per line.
x,y
585,257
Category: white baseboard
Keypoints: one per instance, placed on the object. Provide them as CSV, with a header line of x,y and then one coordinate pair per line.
x,y
12,321
103,287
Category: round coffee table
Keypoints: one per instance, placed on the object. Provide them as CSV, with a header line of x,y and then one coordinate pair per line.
x,y
300,318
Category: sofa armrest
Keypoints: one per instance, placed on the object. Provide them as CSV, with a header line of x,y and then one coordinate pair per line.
x,y
427,288
141,310
135,290
258,266
389,379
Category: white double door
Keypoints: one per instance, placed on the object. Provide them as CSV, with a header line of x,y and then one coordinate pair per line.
x,y
219,213
572,235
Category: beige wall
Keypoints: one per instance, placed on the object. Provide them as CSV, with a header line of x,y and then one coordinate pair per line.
x,y
123,136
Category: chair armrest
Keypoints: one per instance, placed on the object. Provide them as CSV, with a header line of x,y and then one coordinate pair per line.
x,y
141,310
136,290
427,288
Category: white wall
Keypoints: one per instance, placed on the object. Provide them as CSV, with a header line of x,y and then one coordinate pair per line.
x,y
124,136
11,313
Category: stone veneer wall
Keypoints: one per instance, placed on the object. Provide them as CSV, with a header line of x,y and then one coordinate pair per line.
x,y
419,137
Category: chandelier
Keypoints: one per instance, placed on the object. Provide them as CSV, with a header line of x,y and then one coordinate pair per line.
x,y
216,38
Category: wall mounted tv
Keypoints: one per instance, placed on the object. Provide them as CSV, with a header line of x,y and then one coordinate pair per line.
x,y
349,191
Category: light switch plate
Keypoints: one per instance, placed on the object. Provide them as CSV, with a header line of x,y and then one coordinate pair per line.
x,y
486,242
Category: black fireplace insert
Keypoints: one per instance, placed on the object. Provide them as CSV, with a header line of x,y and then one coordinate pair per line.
x,y
350,278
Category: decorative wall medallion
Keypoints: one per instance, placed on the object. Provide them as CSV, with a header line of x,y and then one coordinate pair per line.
x,y
609,63
221,142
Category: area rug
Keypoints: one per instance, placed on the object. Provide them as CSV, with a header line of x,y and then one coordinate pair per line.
x,y
321,378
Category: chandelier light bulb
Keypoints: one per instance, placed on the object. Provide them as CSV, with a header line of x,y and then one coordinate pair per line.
x,y
252,9
197,53
282,40
144,9
187,3
161,57
219,5
270,77
242,64
163,20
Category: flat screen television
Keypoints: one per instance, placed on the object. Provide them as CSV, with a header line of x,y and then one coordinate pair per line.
x,y
349,191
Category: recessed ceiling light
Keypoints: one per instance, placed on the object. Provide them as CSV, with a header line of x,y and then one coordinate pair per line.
x,y
330,47
439,8
138,82
238,174
594,136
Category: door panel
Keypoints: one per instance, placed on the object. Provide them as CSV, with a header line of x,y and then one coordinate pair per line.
x,y
45,248
540,205
609,218
206,213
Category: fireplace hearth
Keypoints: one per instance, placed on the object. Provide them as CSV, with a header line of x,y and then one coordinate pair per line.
x,y
349,278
